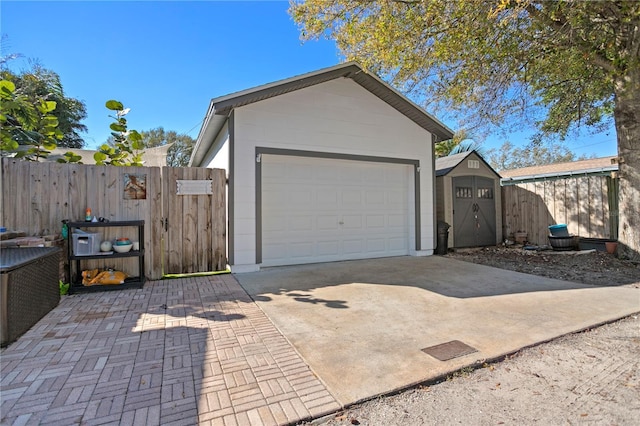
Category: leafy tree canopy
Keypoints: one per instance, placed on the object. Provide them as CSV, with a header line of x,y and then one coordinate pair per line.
x,y
41,83
180,151
181,145
557,64
551,62
28,122
509,156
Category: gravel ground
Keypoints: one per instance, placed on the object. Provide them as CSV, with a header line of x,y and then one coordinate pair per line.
x,y
592,377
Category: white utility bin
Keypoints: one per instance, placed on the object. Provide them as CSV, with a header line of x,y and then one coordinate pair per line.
x,y
86,243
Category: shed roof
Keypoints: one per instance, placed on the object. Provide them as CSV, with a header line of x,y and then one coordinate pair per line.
x,y
557,170
219,108
446,164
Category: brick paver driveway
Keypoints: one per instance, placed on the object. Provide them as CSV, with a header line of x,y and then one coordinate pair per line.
x,y
188,351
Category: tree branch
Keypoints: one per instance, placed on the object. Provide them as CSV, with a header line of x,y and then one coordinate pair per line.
x,y
563,27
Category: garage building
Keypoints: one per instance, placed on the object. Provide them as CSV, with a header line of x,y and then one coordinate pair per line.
x,y
327,166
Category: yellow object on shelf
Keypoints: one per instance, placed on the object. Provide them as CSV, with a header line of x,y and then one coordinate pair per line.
x,y
94,276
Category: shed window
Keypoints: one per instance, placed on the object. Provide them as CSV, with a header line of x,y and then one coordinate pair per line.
x,y
486,193
464,192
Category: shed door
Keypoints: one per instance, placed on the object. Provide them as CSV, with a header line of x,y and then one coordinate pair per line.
x,y
474,211
322,210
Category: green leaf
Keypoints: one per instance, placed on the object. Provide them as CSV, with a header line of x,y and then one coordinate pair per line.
x,y
51,105
50,121
134,136
117,127
49,144
99,157
114,105
6,89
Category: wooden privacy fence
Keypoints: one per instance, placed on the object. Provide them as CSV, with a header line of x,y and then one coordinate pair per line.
x,y
183,233
587,204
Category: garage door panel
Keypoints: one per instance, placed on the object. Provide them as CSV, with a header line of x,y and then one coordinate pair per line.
x,y
299,197
326,222
374,198
272,199
301,223
352,221
326,198
395,197
351,197
276,251
301,249
328,248
375,221
323,173
353,246
376,245
274,224
397,244
321,210
297,172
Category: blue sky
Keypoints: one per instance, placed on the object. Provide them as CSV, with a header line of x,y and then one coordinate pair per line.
x,y
166,60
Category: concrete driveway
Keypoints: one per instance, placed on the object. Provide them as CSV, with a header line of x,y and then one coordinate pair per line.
x,y
362,325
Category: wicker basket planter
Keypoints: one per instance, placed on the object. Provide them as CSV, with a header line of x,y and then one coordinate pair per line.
x,y
563,243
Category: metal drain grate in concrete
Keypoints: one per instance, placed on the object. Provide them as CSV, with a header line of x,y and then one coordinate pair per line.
x,y
449,350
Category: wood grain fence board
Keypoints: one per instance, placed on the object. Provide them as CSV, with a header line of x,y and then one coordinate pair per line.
x,y
189,219
173,214
23,213
153,224
606,232
612,200
202,254
219,219
58,205
560,201
582,206
76,191
595,195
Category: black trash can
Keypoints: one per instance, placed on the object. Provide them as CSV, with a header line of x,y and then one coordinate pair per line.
x,y
443,237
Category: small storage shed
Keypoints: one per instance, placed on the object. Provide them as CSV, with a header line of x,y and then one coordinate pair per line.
x,y
468,198
330,165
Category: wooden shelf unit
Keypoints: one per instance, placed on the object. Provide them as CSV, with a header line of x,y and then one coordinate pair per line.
x,y
73,267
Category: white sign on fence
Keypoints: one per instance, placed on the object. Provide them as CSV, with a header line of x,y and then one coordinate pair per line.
x,y
194,187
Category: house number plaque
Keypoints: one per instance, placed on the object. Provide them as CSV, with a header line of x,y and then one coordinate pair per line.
x,y
195,187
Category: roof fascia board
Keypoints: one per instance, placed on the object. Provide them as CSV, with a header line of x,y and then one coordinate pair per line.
x,y
244,97
353,70
223,105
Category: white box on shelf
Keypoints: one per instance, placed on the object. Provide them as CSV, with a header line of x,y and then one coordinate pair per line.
x,y
86,243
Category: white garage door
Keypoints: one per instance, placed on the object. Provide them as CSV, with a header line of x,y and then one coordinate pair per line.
x,y
321,210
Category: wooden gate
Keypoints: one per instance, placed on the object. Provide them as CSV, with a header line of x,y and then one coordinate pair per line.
x,y
194,220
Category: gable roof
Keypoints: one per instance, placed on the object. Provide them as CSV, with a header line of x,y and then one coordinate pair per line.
x,y
581,167
445,164
219,108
